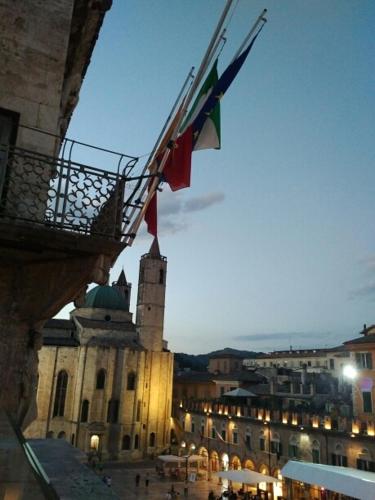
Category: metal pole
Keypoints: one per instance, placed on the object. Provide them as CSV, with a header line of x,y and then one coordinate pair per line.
x,y
251,32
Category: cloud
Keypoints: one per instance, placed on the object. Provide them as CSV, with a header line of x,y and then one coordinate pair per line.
x,y
202,202
281,336
366,291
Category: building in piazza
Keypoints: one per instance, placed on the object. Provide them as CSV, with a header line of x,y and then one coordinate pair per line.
x,y
251,431
105,382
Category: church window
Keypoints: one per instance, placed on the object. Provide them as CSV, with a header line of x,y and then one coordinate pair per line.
x,y
131,381
112,413
60,395
136,442
138,413
126,442
152,439
100,379
161,276
85,410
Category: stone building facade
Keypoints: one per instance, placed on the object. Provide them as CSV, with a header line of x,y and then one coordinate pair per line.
x,y
105,383
242,436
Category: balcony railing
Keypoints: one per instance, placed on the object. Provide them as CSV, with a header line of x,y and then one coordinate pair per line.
x,y
63,194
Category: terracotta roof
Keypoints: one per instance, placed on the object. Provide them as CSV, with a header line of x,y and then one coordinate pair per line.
x,y
368,339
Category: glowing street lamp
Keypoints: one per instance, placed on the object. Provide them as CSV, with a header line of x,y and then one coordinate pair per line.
x,y
350,372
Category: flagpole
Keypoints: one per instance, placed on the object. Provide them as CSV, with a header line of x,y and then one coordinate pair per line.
x,y
174,107
251,32
203,66
208,55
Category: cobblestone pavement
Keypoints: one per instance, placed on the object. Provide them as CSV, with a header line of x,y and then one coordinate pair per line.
x,y
123,483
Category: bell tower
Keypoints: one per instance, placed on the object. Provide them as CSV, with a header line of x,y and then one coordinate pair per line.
x,y
124,288
151,298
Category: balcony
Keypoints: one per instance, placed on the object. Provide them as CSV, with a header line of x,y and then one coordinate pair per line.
x,y
58,193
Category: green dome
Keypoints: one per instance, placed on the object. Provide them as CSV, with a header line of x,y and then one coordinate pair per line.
x,y
105,297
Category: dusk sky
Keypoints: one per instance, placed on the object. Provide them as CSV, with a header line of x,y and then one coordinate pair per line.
x,y
274,243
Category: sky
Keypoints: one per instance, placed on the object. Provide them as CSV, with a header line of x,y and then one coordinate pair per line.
x,y
274,243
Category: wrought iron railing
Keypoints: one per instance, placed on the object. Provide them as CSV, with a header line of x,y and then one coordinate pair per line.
x,y
62,194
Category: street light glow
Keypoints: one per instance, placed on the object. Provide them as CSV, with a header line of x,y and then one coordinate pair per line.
x,y
350,372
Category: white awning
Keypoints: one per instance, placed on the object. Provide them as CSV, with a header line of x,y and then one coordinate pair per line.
x,y
345,480
239,393
171,459
246,476
174,459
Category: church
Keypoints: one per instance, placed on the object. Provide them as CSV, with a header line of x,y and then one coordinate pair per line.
x,y
105,381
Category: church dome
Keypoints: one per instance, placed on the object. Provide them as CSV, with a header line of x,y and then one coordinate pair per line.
x,y
105,297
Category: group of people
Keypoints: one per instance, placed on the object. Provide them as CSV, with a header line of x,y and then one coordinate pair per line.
x,y
138,479
232,495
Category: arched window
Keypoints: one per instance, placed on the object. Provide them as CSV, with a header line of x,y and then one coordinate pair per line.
x,y
293,450
100,379
315,451
85,410
339,457
275,444
136,442
131,381
112,413
262,441
152,439
248,438
161,276
126,442
364,461
60,394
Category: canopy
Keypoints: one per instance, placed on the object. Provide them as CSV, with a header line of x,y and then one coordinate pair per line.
x,y
239,393
171,458
174,459
345,480
246,476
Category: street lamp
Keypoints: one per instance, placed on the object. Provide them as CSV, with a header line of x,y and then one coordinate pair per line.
x,y
208,447
350,372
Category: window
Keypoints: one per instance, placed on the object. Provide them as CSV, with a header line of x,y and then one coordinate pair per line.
x,y
136,442
112,413
338,457
222,390
202,427
8,134
161,276
275,444
363,360
293,447
192,425
367,402
364,464
126,442
60,395
262,441
213,433
315,452
224,434
235,436
100,379
332,364
152,439
138,413
85,410
309,363
131,381
248,438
